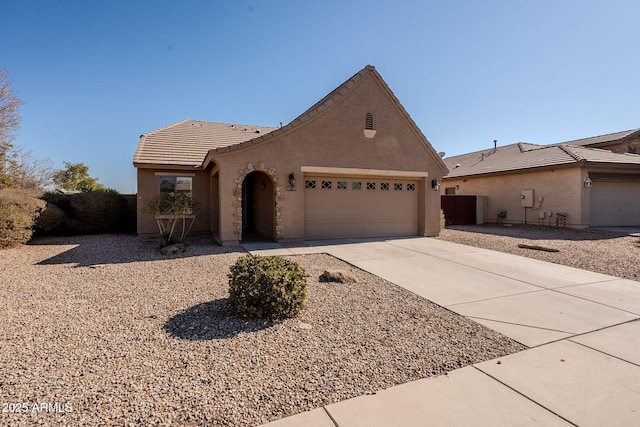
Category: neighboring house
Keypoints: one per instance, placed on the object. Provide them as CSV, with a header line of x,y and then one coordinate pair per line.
x,y
534,183
353,165
619,142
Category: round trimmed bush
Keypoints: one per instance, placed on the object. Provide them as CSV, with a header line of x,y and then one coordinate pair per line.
x,y
267,287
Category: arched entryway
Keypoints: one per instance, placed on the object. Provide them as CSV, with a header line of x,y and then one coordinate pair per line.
x,y
258,207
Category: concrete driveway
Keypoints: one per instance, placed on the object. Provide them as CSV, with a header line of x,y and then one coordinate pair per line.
x,y
583,365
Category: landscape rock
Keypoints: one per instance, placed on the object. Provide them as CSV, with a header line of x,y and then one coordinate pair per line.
x,y
340,276
173,249
538,248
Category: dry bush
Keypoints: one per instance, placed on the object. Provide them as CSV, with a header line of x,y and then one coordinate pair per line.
x,y
19,209
51,220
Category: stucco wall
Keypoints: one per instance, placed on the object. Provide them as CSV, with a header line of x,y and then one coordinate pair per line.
x,y
333,138
148,187
562,190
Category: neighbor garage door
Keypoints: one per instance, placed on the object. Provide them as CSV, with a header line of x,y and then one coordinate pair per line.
x,y
615,203
353,207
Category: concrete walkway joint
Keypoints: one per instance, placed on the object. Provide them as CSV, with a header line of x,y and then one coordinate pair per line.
x,y
582,329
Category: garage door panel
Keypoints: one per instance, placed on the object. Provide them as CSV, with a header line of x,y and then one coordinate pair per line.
x,y
336,213
615,203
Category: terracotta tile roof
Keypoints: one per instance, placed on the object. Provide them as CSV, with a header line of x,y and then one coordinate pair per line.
x,y
603,139
521,156
188,142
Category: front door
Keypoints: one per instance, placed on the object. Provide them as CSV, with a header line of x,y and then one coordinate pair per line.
x,y
258,206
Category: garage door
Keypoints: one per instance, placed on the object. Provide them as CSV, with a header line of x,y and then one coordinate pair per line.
x,y
353,207
615,203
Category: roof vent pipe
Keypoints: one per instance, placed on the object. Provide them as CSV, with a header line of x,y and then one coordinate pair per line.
x,y
495,144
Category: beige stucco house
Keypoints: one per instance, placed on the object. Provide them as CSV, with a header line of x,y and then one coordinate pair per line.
x,y
532,184
353,165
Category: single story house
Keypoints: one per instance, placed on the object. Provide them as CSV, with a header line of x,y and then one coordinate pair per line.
x,y
353,165
571,184
627,141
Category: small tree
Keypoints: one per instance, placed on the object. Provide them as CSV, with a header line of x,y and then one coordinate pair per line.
x,y
9,125
169,209
75,178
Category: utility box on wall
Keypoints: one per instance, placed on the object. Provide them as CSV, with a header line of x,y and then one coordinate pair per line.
x,y
527,198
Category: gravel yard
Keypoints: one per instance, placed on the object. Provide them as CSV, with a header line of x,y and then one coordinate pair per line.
x,y
102,330
593,250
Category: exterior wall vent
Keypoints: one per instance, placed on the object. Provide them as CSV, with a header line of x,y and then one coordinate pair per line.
x,y
368,121
369,131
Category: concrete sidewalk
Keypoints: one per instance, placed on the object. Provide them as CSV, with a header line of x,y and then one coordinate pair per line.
x,y
583,365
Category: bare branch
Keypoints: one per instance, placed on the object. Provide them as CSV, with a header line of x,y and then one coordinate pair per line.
x,y
9,106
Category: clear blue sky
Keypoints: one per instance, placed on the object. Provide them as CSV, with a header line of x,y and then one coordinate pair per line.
x,y
95,75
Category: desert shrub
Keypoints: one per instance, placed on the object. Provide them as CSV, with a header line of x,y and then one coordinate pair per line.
x,y
267,287
51,219
170,210
167,238
442,220
19,209
99,211
93,212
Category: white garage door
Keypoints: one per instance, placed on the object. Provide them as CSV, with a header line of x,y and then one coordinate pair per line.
x,y
615,203
354,207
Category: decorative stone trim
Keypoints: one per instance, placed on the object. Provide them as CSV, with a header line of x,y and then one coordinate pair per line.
x,y
278,196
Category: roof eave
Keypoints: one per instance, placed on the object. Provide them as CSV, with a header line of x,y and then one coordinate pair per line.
x,y
147,165
515,171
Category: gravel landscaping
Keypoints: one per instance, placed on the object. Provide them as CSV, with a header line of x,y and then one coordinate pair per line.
x,y
594,250
102,330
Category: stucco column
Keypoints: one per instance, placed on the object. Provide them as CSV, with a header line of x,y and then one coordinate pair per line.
x,y
431,208
230,206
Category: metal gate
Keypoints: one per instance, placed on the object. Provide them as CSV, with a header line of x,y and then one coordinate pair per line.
x,y
458,210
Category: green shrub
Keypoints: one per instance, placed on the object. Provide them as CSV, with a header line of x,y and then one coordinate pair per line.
x,y
267,287
93,212
167,239
19,209
51,219
98,211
